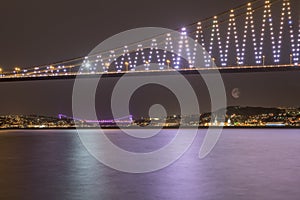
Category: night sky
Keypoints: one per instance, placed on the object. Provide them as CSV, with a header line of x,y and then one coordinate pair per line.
x,y
36,32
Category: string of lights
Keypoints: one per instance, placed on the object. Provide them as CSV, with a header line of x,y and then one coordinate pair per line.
x,y
215,35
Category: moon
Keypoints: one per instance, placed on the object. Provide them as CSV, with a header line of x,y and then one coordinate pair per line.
x,y
236,93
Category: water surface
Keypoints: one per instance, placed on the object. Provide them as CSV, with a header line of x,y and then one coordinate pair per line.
x,y
246,164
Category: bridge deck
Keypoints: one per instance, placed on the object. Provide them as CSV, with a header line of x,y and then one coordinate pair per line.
x,y
241,69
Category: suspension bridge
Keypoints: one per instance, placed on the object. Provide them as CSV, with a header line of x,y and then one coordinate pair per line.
x,y
122,120
262,34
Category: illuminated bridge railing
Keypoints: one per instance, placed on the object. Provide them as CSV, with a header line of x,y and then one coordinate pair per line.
x,y
259,34
74,74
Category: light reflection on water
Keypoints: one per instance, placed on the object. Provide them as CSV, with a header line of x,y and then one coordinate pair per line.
x,y
245,164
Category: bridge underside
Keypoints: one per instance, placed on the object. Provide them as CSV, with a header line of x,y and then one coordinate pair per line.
x,y
244,69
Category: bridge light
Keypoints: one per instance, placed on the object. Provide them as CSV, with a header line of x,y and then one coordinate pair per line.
x,y
238,60
87,65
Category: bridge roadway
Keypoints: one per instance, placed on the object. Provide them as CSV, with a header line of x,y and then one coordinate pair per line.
x,y
73,75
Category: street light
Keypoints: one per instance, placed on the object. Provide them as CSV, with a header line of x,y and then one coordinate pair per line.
x,y
264,59
52,68
168,62
17,69
1,70
107,66
147,63
126,65
291,59
213,62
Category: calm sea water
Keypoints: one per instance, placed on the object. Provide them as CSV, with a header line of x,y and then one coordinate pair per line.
x,y
245,164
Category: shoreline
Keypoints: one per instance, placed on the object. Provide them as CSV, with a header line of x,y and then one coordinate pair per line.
x,y
184,127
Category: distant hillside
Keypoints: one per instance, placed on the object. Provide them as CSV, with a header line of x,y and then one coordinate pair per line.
x,y
246,111
250,111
